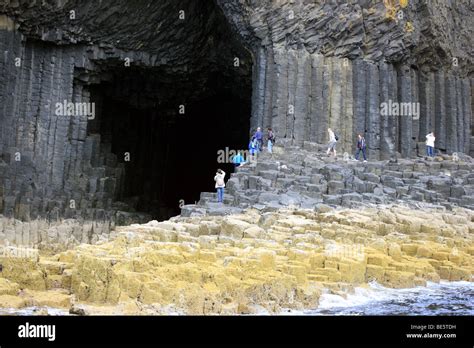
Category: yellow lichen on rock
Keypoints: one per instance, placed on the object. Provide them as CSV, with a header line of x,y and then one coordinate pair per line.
x,y
8,287
248,263
24,271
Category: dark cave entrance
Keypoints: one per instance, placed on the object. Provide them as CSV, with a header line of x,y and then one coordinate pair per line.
x,y
172,155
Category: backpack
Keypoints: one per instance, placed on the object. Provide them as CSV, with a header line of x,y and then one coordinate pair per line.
x,y
336,137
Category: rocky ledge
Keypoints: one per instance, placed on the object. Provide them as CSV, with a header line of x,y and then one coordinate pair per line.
x,y
305,177
252,262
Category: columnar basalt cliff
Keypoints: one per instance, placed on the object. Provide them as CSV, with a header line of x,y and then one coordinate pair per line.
x,y
149,84
112,111
332,64
173,79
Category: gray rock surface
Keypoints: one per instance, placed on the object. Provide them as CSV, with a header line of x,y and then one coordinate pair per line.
x,y
338,183
312,65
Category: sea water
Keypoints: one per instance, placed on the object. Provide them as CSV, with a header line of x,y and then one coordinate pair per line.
x,y
444,298
33,311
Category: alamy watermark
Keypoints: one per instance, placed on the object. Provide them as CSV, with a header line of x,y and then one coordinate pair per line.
x,y
228,155
392,108
19,251
75,109
352,251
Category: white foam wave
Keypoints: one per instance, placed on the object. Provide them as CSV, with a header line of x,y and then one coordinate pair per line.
x,y
378,293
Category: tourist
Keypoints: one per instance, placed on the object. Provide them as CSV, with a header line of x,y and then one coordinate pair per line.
x,y
259,136
238,160
430,140
271,140
361,146
220,184
332,142
253,146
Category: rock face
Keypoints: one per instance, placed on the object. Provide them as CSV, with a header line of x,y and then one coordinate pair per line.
x,y
308,66
172,81
247,263
332,64
52,235
307,178
55,165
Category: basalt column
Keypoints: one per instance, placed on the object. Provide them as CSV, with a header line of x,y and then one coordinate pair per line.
x,y
414,57
165,102
308,93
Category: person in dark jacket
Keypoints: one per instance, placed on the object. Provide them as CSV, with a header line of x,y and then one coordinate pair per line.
x,y
271,140
361,146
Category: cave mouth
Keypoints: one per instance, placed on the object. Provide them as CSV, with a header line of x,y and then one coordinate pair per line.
x,y
166,132
164,124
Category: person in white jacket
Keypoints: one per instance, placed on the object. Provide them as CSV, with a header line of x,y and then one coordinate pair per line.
x,y
220,184
332,142
430,141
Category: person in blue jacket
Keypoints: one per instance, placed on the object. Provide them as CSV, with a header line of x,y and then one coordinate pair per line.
x,y
253,147
238,160
259,136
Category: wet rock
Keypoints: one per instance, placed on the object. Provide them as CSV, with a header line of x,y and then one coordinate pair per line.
x,y
77,311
